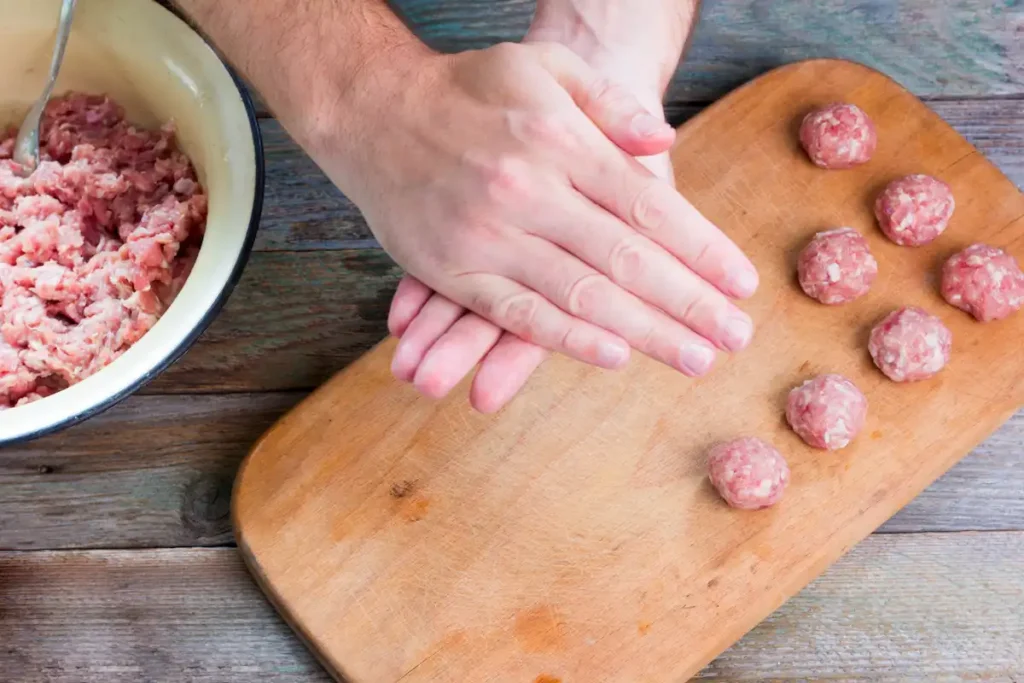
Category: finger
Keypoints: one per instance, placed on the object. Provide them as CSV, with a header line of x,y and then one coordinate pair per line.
x,y
586,294
455,354
611,106
531,317
631,261
409,298
433,320
504,372
655,209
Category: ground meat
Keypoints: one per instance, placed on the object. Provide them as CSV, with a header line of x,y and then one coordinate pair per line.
x,y
838,136
94,245
984,281
914,210
910,344
827,411
748,473
836,266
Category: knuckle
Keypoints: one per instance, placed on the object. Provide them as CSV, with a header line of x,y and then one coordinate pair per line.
x,y
648,208
507,181
518,312
689,308
704,256
549,130
626,261
577,341
584,298
647,338
610,94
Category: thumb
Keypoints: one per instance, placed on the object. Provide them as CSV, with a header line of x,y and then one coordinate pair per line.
x,y
611,106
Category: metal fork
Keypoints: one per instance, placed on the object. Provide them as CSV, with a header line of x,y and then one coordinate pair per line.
x,y
26,146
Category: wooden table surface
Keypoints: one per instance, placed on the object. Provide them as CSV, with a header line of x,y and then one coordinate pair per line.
x,y
116,555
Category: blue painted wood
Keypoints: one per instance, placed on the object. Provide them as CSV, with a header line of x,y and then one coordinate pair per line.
x,y
949,48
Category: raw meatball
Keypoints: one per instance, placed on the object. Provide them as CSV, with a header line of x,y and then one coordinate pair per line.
x,y
838,136
827,411
984,281
910,344
914,210
836,266
748,473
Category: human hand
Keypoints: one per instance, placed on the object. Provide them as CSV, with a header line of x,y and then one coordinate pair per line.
x,y
441,342
499,227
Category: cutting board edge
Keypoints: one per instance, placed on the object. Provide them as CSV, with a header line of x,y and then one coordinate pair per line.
x,y
252,565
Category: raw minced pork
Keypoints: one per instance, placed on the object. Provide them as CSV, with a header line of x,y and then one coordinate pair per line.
x,y
749,473
910,344
836,266
94,245
985,281
827,411
838,136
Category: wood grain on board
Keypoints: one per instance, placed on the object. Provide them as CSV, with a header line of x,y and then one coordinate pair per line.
x,y
458,546
901,607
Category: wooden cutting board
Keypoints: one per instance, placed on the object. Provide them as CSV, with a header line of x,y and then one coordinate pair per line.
x,y
573,537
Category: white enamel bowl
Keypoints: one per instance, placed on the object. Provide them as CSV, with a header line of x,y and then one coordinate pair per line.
x,y
159,69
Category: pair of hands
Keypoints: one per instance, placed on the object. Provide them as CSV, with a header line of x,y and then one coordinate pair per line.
x,y
506,182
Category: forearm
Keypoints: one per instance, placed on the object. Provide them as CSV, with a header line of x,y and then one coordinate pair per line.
x,y
635,42
303,56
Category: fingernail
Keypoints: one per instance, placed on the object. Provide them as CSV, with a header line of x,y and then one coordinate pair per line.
x,y
742,283
737,332
612,354
647,126
696,358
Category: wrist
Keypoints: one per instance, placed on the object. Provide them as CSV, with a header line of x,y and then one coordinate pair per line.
x,y
357,113
342,101
636,47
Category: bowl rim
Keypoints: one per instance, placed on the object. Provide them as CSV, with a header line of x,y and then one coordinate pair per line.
x,y
189,339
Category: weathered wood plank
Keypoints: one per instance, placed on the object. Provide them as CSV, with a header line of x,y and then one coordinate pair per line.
x,y
172,615
157,471
906,607
964,48
151,472
304,211
918,607
294,320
